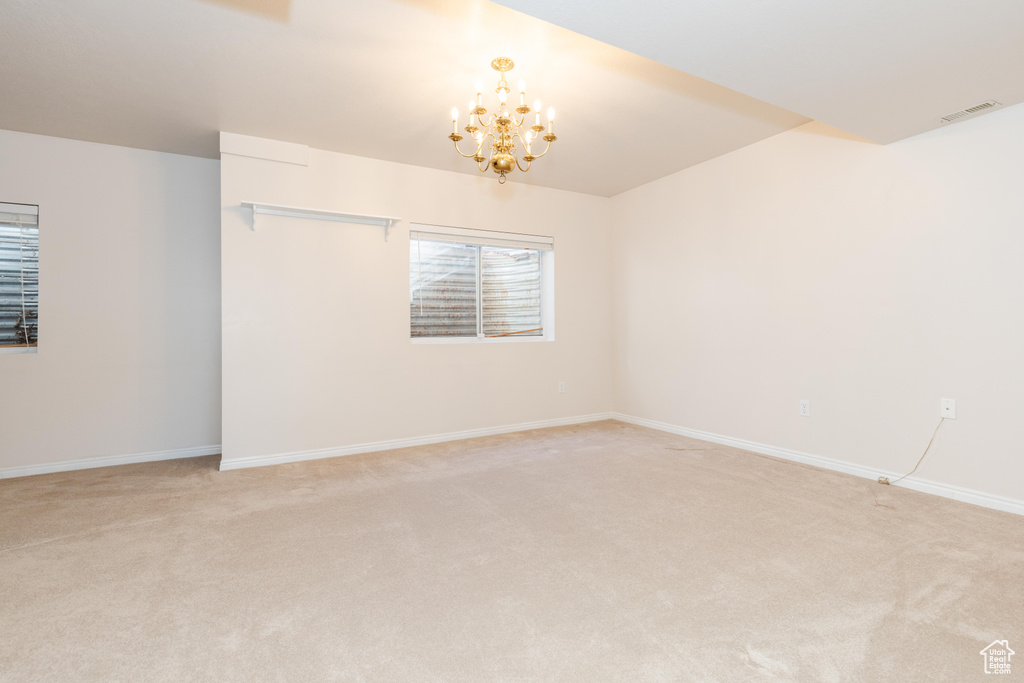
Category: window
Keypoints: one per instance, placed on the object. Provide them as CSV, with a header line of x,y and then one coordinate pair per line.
x,y
479,285
19,278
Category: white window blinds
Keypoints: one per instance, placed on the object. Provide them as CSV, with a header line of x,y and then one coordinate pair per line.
x,y
475,283
19,276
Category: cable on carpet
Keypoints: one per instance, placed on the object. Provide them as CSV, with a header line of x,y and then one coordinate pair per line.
x,y
885,480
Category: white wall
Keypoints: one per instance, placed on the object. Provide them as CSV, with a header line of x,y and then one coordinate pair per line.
x,y
871,280
129,318
316,350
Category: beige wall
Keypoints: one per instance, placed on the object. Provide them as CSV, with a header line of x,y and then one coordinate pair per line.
x,y
129,351
870,280
316,350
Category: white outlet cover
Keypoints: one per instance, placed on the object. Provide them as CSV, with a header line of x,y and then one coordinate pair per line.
x,y
805,408
947,408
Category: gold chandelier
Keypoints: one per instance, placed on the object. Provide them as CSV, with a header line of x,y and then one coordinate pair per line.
x,y
502,132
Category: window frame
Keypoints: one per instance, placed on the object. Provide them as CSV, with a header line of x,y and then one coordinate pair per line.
x,y
547,281
28,210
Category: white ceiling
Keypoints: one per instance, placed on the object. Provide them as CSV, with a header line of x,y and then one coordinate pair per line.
x,y
881,69
375,79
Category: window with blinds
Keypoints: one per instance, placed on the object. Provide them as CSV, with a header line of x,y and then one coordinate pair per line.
x,y
19,277
476,284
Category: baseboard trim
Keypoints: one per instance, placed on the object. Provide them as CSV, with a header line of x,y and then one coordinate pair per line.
x,y
106,461
965,495
299,456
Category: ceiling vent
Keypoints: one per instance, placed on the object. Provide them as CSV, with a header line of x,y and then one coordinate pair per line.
x,y
970,111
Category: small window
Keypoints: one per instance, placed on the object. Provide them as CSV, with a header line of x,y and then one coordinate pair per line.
x,y
19,278
478,285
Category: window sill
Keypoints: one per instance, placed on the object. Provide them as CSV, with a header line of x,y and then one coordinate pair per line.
x,y
479,340
18,349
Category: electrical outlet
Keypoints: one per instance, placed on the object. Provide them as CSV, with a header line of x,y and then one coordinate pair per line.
x,y
805,408
561,387
947,408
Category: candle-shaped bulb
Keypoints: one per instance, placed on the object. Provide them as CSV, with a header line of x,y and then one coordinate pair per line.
x,y
551,114
502,95
522,93
455,113
536,108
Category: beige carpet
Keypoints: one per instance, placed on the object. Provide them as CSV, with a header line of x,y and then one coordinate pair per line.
x,y
603,552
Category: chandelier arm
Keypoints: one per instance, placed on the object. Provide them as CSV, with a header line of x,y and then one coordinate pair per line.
x,y
524,142
527,143
461,153
538,156
524,170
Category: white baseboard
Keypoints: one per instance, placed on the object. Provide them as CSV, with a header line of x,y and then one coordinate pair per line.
x,y
298,456
107,461
965,495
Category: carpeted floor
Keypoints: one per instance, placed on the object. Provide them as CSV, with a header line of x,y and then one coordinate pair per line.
x,y
601,552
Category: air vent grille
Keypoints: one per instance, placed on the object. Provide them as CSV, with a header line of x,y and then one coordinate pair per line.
x,y
964,113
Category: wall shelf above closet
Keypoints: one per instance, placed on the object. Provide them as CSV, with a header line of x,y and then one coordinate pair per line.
x,y
320,214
